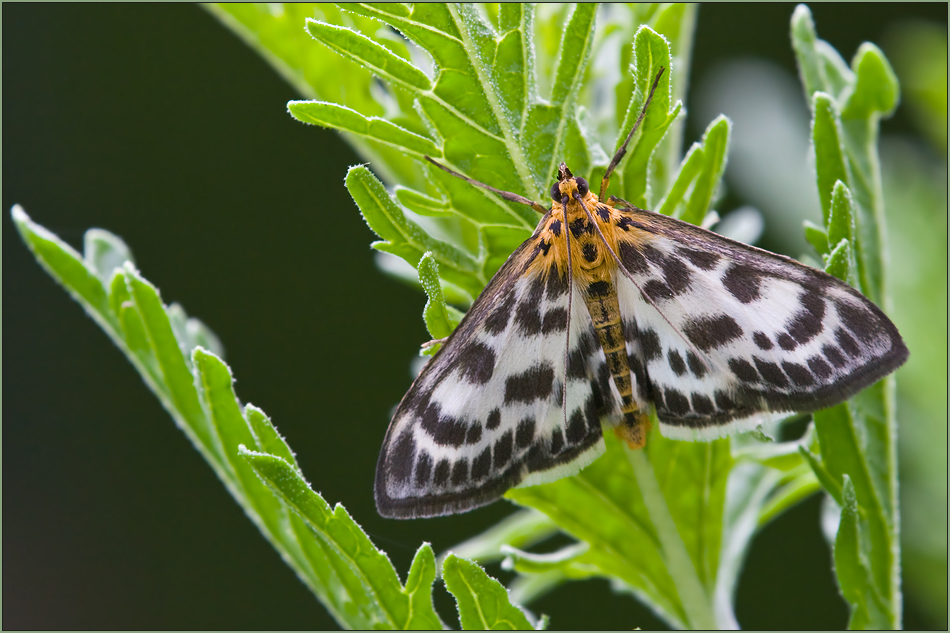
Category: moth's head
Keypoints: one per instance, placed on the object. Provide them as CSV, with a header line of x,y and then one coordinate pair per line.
x,y
567,185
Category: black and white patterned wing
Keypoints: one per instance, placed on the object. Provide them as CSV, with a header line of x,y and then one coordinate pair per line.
x,y
486,412
731,332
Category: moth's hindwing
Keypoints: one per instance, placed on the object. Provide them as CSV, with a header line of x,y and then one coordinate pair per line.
x,y
486,412
723,332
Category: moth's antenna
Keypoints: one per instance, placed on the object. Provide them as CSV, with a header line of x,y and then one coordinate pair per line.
x,y
570,296
507,195
623,148
629,276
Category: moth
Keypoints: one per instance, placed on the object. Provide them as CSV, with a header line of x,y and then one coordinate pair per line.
x,y
606,314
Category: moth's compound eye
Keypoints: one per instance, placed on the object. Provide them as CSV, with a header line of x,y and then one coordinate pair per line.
x,y
556,192
582,187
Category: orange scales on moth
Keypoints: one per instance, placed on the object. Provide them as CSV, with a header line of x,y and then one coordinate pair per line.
x,y
606,313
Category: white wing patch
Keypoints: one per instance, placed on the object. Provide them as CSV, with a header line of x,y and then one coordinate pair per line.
x,y
732,333
486,414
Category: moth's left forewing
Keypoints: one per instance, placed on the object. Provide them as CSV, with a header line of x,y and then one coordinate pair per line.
x,y
486,413
723,333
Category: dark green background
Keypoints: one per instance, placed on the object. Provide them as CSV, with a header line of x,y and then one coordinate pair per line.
x,y
156,123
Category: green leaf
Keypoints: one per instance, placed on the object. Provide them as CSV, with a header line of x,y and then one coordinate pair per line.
x,y
342,118
715,144
857,438
363,572
368,54
651,52
521,529
104,252
689,168
403,236
438,320
876,91
830,161
838,261
817,236
638,517
482,601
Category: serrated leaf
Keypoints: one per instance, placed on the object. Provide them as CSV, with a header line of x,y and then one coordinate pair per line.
x,y
482,601
363,572
404,237
368,53
341,118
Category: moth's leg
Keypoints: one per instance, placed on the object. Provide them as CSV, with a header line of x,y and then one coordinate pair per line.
x,y
615,199
507,195
623,148
633,429
434,342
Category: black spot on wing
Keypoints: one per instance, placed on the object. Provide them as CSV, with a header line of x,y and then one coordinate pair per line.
x,y
401,457
650,344
743,370
657,290
554,321
494,419
460,472
535,383
625,223
770,372
676,275
474,434
528,318
524,434
819,367
707,333
502,451
702,404
481,465
786,342
833,354
799,374
444,429
742,282
807,322
497,321
442,470
861,322
557,441
476,363
762,340
695,364
556,283
576,428
848,344
676,402
632,259
700,259
423,469
676,362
